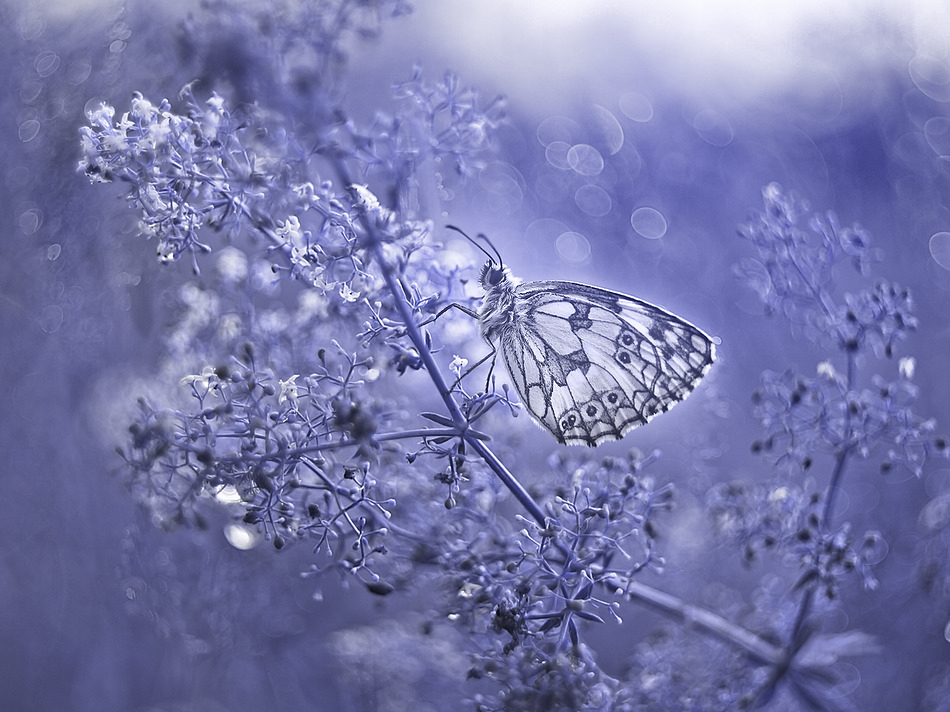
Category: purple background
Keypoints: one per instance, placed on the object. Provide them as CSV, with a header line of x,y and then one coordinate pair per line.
x,y
848,106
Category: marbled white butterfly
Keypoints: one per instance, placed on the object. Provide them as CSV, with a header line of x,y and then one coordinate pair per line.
x,y
589,364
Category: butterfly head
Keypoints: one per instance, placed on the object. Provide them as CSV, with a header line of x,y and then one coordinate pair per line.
x,y
494,274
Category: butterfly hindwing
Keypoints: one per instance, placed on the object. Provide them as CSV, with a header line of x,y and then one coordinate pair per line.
x,y
591,364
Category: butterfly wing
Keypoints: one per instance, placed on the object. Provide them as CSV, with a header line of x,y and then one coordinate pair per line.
x,y
591,364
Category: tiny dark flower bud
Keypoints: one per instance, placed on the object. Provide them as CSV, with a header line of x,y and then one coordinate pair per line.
x,y
380,588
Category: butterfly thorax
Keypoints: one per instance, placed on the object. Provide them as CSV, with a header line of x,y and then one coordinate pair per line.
x,y
497,311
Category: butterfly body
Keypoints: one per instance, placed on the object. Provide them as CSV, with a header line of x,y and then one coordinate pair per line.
x,y
589,364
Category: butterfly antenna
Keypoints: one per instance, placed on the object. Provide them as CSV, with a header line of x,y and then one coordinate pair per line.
x,y
481,236
494,249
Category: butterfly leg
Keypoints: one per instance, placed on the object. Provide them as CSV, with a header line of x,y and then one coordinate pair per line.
x,y
472,313
491,369
454,305
478,363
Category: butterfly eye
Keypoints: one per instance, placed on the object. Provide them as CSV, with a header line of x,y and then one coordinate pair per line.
x,y
492,276
495,276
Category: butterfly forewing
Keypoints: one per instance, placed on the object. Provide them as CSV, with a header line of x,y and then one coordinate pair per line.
x,y
590,364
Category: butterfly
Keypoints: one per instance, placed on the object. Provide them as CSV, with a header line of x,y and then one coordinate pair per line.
x,y
589,364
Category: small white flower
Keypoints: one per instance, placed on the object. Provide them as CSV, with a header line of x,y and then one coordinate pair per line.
x,y
102,116
156,134
288,390
305,191
215,104
166,252
779,494
142,108
289,228
827,370
906,367
458,364
151,201
347,294
124,124
115,142
365,198
148,229
213,117
206,379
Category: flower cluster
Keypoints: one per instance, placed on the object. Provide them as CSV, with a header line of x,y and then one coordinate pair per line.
x,y
761,517
265,446
806,416
453,116
794,276
281,427
599,535
837,416
830,412
179,167
785,519
538,679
